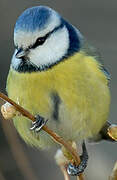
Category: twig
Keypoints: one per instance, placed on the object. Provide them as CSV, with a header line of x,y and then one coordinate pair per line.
x,y
64,171
62,161
114,173
56,137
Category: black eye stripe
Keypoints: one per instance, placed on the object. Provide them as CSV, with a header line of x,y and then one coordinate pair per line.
x,y
40,41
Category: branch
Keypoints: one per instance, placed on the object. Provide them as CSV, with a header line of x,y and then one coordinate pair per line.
x,y
64,171
55,137
114,173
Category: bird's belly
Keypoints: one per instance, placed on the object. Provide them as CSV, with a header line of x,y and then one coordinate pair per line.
x,y
83,106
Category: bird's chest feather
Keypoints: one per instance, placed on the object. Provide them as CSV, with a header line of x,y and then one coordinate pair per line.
x,y
74,92
77,83
30,90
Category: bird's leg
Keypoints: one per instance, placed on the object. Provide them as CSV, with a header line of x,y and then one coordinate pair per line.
x,y
38,123
76,170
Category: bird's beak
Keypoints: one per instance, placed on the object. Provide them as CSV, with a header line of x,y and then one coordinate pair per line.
x,y
20,53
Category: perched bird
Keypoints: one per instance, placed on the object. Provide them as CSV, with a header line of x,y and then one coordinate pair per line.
x,y
56,75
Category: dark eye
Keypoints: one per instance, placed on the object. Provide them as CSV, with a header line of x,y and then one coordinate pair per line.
x,y
39,42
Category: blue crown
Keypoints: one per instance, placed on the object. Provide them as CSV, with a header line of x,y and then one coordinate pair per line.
x,y
33,18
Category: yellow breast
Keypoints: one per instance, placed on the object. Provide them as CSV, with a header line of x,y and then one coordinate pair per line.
x,y
82,88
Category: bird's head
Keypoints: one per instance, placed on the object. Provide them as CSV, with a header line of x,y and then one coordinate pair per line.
x,y
43,38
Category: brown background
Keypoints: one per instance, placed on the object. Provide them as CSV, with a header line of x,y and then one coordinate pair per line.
x,y
97,20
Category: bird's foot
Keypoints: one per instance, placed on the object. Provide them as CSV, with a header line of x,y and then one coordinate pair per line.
x,y
76,170
38,123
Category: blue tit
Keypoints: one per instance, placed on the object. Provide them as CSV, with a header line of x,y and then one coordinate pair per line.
x,y
57,75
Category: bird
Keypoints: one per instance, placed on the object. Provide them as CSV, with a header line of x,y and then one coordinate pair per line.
x,y
57,76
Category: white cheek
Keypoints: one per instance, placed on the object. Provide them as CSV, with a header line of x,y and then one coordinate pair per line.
x,y
52,50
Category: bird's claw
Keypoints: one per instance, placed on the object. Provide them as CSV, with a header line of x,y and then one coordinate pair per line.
x,y
76,170
38,123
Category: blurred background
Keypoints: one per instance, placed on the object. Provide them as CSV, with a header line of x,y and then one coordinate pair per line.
x,y
97,20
